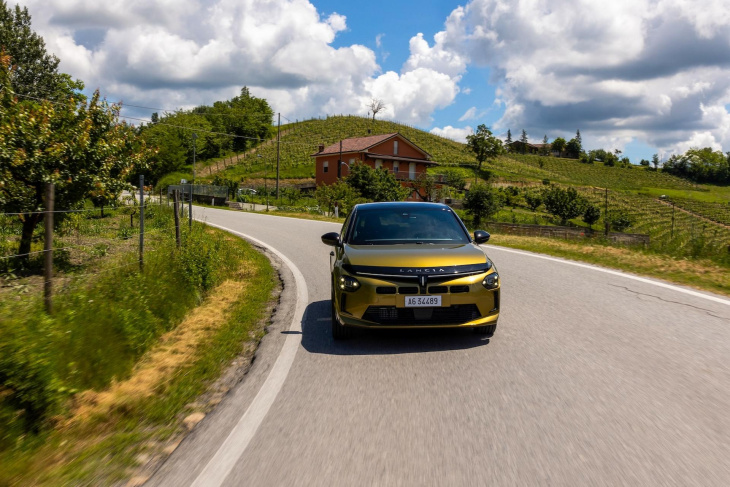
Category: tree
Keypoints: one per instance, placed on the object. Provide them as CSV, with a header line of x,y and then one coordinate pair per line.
x,y
545,146
484,144
533,200
644,163
376,184
579,139
425,186
573,148
375,106
79,146
523,139
655,161
508,142
591,214
563,203
341,194
481,202
558,145
35,71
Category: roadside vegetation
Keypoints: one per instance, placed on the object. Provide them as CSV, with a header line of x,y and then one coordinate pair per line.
x,y
87,389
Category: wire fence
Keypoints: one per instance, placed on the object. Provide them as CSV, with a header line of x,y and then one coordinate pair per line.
x,y
82,243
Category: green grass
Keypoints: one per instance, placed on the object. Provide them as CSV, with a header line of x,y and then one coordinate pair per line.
x,y
102,323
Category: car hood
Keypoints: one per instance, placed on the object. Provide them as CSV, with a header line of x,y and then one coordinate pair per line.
x,y
414,255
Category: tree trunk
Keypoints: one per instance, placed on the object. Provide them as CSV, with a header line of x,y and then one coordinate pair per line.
x,y
26,237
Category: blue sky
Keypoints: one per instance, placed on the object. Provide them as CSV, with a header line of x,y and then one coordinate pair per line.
x,y
641,76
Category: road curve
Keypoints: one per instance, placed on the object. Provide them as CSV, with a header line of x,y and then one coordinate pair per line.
x,y
593,378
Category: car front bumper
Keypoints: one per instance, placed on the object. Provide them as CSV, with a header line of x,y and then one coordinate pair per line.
x,y
378,303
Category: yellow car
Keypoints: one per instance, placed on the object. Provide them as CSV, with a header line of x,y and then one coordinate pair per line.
x,y
410,265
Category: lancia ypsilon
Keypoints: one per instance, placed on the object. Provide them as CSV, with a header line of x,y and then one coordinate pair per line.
x,y
410,265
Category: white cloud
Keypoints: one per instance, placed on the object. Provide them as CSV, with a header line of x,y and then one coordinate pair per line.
x,y
653,70
453,133
187,52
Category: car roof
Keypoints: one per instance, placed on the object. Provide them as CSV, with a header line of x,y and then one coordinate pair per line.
x,y
399,205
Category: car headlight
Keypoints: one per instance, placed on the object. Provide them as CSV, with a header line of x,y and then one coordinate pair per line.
x,y
349,284
491,281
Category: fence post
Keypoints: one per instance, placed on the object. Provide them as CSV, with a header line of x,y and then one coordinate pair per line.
x,y
190,209
141,222
176,199
48,248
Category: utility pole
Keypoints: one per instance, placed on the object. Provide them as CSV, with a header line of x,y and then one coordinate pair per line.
x,y
339,162
195,136
48,248
278,147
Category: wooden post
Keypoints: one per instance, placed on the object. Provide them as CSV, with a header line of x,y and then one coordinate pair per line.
x,y
176,199
48,249
141,223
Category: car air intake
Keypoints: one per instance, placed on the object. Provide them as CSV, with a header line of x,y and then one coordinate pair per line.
x,y
452,315
385,290
459,289
408,290
438,290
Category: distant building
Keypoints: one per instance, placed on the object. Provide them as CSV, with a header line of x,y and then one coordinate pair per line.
x,y
391,152
516,147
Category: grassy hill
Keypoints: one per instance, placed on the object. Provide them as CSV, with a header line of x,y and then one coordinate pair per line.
x,y
701,212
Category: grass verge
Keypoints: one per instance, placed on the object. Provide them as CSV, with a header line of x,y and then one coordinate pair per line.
x,y
103,435
700,274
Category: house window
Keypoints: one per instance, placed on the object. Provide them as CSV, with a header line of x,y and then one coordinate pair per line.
x,y
412,170
325,166
378,163
395,167
395,147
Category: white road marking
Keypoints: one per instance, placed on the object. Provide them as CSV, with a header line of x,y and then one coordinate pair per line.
x,y
221,464
617,273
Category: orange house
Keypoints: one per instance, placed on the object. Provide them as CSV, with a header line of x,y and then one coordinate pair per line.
x,y
391,152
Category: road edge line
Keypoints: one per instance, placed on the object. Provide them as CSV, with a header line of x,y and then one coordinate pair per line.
x,y
222,462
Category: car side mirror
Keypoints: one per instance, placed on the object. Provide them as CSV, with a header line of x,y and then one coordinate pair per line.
x,y
480,236
332,239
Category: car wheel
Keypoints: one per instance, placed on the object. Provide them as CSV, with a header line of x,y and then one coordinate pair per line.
x,y
487,330
339,331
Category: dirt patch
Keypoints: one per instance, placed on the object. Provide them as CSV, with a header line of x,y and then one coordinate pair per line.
x,y
175,349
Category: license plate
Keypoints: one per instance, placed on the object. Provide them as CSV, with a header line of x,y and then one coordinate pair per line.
x,y
422,301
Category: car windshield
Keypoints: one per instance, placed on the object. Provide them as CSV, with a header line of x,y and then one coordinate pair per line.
x,y
388,226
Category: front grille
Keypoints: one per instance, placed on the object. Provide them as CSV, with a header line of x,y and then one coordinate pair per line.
x,y
385,290
408,290
459,289
438,290
452,315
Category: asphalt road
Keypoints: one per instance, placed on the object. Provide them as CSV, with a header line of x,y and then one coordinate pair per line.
x,y
593,378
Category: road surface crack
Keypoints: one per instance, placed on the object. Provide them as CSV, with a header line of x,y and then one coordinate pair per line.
x,y
709,312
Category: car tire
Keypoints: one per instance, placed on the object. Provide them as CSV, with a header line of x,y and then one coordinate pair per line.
x,y
339,331
487,330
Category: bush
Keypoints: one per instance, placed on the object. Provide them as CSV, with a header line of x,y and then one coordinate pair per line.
x,y
619,220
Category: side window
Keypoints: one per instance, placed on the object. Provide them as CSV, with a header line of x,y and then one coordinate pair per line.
x,y
395,147
395,167
378,163
325,166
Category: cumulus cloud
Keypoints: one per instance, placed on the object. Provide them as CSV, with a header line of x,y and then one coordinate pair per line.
x,y
453,133
653,70
187,52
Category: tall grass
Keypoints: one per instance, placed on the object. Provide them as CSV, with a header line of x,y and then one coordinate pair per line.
x,y
101,325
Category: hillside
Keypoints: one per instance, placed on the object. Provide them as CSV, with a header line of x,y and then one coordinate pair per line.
x,y
701,212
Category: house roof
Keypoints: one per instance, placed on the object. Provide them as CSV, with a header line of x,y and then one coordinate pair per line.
x,y
362,144
355,144
373,155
